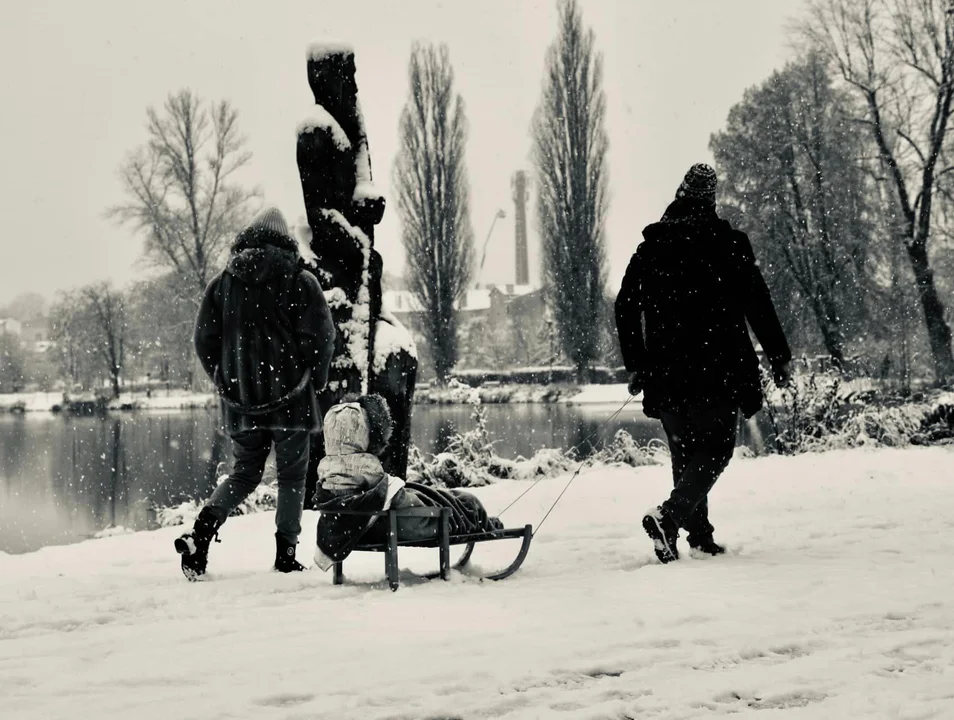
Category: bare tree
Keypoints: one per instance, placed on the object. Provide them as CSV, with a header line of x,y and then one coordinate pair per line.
x,y
106,313
433,203
12,363
92,332
898,55
569,156
180,186
789,156
67,331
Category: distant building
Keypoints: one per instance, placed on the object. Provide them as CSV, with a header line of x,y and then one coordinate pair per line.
x,y
36,332
485,302
499,324
9,326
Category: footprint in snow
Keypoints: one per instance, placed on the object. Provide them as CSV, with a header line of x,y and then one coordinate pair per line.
x,y
285,700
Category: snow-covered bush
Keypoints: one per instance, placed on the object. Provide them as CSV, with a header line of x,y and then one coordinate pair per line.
x,y
806,414
470,461
624,450
820,413
264,497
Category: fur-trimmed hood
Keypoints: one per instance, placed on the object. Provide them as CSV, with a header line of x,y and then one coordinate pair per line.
x,y
260,255
358,424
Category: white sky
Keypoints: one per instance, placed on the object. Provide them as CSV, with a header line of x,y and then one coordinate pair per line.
x,y
77,78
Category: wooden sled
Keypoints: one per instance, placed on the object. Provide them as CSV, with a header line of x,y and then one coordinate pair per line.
x,y
443,541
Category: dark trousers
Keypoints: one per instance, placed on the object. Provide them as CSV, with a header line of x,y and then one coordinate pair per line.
x,y
701,443
251,449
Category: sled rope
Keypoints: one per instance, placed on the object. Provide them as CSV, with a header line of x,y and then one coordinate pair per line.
x,y
599,428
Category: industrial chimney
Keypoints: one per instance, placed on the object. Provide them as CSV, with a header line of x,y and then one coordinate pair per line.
x,y
519,185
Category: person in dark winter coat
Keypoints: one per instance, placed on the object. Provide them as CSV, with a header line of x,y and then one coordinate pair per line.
x,y
264,336
681,318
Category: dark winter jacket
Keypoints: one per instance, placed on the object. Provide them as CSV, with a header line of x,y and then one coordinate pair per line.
x,y
682,309
264,335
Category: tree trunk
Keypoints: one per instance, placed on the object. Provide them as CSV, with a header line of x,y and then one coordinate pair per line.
x,y
832,334
832,338
939,333
582,372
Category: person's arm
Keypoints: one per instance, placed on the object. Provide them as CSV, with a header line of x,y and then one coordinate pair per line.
x,y
760,311
629,324
314,329
207,337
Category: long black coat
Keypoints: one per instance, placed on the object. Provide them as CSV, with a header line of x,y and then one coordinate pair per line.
x,y
262,322
690,287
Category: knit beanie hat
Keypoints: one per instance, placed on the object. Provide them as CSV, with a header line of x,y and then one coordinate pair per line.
x,y
699,183
268,227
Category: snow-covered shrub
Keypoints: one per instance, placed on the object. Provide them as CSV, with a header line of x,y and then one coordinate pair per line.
x,y
937,424
473,446
879,426
499,394
470,461
819,413
624,450
806,414
263,497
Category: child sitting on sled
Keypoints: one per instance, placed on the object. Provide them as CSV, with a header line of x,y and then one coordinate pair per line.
x,y
351,477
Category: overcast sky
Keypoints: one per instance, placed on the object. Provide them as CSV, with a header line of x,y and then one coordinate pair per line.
x,y
77,78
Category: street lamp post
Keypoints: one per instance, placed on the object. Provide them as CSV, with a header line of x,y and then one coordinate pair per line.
x,y
500,214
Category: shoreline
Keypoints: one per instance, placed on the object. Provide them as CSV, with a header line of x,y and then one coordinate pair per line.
x,y
515,393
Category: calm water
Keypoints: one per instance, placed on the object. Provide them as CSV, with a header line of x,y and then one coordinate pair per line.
x,y
63,479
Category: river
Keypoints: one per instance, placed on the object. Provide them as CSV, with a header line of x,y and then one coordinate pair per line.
x,y
64,478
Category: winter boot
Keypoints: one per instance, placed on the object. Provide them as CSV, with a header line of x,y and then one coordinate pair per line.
x,y
285,561
706,545
194,546
664,533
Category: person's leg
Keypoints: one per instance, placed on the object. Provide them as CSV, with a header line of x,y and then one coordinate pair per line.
x,y
250,451
709,442
675,426
291,460
659,524
679,431
316,451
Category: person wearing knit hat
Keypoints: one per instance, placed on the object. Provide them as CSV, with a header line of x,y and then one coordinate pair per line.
x,y
264,336
689,291
699,183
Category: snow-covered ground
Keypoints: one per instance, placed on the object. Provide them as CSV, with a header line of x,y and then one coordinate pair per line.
x,y
615,394
160,400
163,400
837,601
30,402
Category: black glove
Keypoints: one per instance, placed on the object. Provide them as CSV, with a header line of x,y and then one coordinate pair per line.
x,y
782,374
635,383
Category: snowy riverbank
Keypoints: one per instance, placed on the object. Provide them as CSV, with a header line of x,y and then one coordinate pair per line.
x,y
836,601
159,400
184,400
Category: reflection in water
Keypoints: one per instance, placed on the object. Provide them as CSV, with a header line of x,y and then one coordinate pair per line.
x,y
63,479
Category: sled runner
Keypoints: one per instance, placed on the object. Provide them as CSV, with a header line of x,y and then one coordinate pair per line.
x,y
443,542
